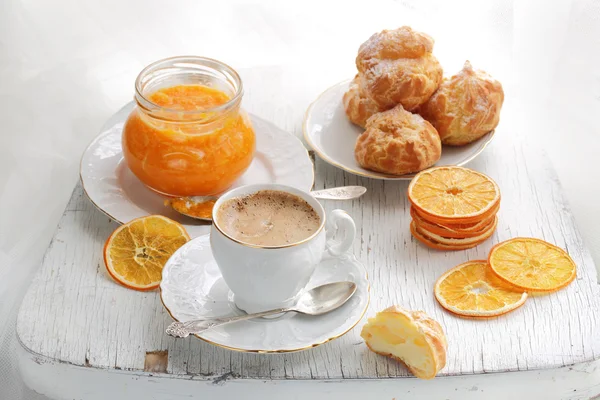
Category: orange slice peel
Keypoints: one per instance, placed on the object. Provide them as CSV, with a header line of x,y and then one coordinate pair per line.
x,y
532,264
483,236
136,252
453,194
471,289
448,232
453,208
436,245
458,227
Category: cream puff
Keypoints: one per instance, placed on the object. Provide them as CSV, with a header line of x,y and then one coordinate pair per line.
x,y
398,68
397,142
411,337
357,105
465,106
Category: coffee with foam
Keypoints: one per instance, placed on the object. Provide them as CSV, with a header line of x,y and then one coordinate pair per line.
x,y
268,218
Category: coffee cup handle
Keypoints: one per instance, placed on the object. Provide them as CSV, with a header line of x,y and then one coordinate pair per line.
x,y
340,223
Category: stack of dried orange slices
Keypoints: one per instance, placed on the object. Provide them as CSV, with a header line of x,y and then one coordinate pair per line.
x,y
492,287
453,208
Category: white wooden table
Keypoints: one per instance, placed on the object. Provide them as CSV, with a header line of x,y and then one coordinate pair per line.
x,y
84,336
66,66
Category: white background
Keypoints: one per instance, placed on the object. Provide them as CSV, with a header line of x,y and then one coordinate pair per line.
x,y
66,66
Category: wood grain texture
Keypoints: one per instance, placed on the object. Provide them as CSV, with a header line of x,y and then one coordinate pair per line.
x,y
74,313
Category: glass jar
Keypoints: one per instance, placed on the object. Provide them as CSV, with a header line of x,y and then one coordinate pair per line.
x,y
187,134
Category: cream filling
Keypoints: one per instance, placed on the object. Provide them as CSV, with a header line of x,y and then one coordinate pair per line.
x,y
402,340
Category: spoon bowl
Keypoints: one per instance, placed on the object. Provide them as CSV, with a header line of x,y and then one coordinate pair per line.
x,y
325,298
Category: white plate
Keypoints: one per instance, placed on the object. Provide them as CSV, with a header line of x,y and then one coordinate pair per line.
x,y
192,288
280,158
332,136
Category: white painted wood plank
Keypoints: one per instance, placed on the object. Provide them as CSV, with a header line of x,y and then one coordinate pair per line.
x,y
581,382
73,312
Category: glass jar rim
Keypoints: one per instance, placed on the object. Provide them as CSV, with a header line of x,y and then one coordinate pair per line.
x,y
147,104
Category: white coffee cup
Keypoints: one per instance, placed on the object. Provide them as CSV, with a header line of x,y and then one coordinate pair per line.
x,y
268,277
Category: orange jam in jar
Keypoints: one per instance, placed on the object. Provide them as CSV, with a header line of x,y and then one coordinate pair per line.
x,y
188,135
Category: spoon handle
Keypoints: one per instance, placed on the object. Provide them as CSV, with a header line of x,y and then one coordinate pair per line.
x,y
184,329
340,193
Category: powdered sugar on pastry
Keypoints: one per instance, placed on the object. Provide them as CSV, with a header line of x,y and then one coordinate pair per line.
x,y
357,105
398,142
398,68
394,44
465,106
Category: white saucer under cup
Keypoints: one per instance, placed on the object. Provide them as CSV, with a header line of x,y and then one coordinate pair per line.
x,y
192,288
332,136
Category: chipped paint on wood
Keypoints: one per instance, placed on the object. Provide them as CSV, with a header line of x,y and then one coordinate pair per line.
x,y
156,361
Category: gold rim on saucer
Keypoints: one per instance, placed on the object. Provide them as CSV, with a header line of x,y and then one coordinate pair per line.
x,y
278,351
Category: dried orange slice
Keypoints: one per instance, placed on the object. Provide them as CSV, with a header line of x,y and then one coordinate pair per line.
x,y
532,264
458,227
461,241
452,232
137,251
453,195
436,245
471,289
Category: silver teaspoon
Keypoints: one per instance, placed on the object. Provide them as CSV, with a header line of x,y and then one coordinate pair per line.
x,y
319,300
200,207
